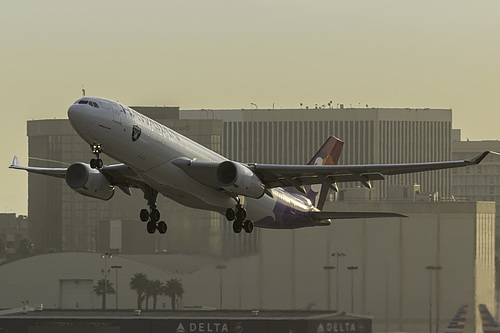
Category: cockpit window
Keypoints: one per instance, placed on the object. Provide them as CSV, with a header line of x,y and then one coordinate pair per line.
x,y
94,104
82,101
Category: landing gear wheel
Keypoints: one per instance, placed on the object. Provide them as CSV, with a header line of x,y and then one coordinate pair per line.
x,y
248,226
99,163
162,227
241,214
230,214
144,215
237,226
155,215
151,227
93,163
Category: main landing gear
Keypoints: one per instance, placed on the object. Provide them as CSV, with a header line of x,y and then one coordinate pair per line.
x,y
239,216
96,163
153,215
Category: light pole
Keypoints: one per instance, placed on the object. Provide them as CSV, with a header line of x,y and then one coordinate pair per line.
x,y
220,268
352,269
328,269
105,272
337,255
430,269
116,283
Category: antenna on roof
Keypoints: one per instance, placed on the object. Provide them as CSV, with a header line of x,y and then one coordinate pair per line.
x,y
83,90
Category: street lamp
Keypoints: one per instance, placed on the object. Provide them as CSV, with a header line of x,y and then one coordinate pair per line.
x,y
430,269
220,268
338,255
116,283
352,269
328,269
105,272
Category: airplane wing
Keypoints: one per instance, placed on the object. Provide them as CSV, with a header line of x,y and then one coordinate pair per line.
x,y
118,174
274,175
54,172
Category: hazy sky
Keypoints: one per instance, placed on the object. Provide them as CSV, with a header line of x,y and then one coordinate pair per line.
x,y
230,53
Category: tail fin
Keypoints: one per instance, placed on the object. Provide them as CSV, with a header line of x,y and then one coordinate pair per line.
x,y
457,324
328,154
489,324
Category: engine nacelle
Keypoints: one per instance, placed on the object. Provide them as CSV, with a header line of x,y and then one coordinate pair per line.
x,y
89,182
237,178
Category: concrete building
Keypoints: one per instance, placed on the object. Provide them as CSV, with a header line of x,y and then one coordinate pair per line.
x,y
391,282
481,182
65,221
371,135
14,238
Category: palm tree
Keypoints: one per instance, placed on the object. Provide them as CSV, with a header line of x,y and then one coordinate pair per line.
x,y
148,293
155,289
173,289
99,289
139,283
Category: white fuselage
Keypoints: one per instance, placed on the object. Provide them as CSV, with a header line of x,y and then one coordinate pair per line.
x,y
150,155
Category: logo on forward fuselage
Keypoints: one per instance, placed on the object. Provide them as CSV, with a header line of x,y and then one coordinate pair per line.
x,y
136,133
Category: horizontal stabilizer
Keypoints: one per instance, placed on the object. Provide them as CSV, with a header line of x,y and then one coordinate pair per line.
x,y
353,215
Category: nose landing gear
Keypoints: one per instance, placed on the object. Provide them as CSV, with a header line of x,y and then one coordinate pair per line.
x,y
96,163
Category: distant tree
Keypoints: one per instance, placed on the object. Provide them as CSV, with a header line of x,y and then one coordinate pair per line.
x,y
139,283
147,293
99,290
173,289
156,289
27,247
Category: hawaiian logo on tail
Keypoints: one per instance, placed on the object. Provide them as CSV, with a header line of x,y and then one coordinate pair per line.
x,y
328,154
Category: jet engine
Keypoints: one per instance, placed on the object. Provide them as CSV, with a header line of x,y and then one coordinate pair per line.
x,y
237,178
89,182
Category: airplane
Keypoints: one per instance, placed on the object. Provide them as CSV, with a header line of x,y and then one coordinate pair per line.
x,y
457,324
156,159
489,324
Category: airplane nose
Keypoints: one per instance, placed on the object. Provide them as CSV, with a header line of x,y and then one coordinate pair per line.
x,y
73,110
76,115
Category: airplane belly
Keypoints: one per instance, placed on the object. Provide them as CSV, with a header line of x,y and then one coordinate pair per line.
x,y
182,185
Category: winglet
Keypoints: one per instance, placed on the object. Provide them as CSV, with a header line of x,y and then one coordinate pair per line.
x,y
15,162
478,158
